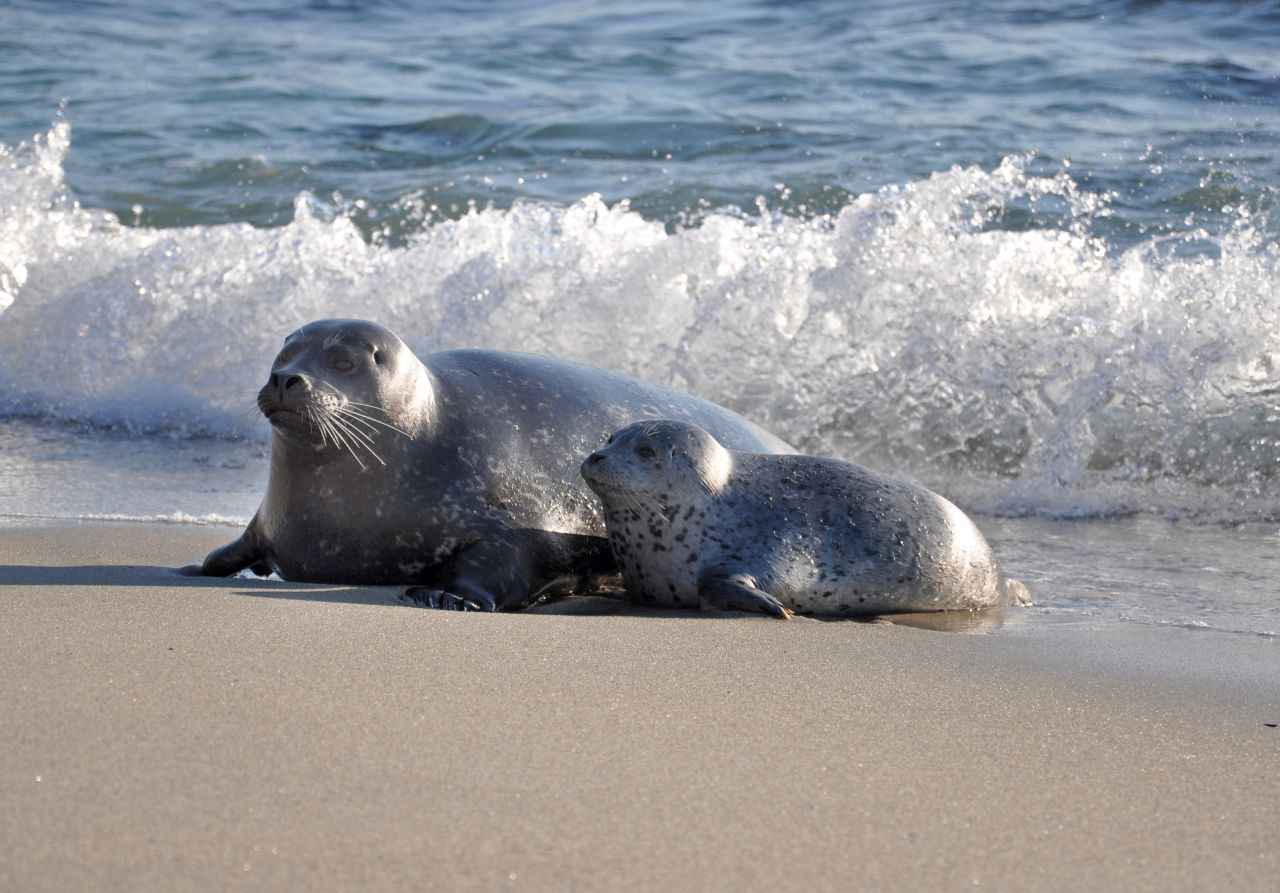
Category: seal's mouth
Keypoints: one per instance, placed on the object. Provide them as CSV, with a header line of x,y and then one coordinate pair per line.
x,y
590,472
283,410
286,419
326,421
602,483
284,415
280,413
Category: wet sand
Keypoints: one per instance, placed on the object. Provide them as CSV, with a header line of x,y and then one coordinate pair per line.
x,y
169,733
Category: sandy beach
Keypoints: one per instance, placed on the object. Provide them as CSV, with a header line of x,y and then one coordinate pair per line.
x,y
165,733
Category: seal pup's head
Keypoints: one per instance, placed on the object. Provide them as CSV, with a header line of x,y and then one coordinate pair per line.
x,y
346,384
664,459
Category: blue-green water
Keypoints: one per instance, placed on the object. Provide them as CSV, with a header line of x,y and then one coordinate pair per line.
x,y
1024,253
217,112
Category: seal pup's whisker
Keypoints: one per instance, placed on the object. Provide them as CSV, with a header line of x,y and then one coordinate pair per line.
x,y
640,503
651,504
637,499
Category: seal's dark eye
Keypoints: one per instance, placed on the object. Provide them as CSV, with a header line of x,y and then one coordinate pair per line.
x,y
646,452
378,357
609,441
343,365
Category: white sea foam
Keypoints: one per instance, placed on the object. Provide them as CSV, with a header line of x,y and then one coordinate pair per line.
x,y
1017,371
207,520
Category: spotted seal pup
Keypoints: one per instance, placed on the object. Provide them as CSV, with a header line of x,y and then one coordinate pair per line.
x,y
693,523
456,474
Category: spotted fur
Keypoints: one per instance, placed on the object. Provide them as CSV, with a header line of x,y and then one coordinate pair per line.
x,y
691,523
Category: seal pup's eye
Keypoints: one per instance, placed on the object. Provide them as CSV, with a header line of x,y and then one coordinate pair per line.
x,y
378,357
646,452
343,365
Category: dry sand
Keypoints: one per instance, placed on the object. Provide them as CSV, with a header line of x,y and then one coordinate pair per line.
x,y
164,733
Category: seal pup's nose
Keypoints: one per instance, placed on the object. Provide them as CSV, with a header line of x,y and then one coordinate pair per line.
x,y
594,459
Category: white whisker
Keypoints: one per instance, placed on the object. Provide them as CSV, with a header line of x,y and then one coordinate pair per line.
x,y
357,414
359,437
346,444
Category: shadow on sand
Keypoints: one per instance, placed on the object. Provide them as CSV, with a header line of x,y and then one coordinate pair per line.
x,y
592,605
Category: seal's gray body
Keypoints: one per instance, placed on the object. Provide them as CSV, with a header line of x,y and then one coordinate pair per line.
x,y
476,497
692,523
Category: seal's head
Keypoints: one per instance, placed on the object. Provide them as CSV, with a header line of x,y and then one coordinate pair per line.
x,y
660,458
341,383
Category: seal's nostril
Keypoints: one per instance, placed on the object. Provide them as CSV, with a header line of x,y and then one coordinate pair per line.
x,y
595,458
291,381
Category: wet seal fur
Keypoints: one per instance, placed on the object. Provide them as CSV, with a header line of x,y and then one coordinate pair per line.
x,y
457,474
692,523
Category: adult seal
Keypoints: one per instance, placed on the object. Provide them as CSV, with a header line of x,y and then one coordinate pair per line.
x,y
456,474
692,523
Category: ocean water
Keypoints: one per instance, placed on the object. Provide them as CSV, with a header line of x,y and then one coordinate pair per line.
x,y
1025,254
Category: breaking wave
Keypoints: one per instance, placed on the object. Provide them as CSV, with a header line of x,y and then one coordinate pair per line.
x,y
920,330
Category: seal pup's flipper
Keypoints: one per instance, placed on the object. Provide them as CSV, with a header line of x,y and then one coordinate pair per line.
x,y
737,592
1016,592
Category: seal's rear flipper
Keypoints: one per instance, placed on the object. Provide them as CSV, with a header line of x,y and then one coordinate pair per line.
x,y
1018,593
734,593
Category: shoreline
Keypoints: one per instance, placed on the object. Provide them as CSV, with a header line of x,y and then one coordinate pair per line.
x,y
190,733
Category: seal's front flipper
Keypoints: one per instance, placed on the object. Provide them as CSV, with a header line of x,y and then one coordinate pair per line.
x,y
737,592
234,556
442,600
514,570
486,576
